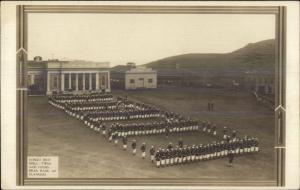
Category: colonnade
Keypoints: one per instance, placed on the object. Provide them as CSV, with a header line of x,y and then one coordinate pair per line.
x,y
61,79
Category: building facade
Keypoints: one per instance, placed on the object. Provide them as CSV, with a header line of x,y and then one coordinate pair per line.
x,y
260,82
55,76
131,78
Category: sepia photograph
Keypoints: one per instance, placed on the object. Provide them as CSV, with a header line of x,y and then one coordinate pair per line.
x,y
151,95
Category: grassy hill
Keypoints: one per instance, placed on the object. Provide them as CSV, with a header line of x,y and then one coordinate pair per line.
x,y
258,56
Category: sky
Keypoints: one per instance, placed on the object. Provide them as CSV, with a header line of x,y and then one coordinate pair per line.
x,y
141,38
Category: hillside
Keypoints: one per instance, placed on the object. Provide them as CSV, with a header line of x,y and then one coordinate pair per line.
x,y
258,56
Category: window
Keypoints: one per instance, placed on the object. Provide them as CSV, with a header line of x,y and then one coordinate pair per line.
x,y
150,80
131,81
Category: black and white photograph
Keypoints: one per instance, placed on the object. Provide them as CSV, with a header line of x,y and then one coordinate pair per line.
x,y
146,95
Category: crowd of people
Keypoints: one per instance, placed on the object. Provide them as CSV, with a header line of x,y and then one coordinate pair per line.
x,y
116,115
185,154
95,110
162,127
93,97
108,110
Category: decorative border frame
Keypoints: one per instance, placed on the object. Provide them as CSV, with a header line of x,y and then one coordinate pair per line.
x,y
280,80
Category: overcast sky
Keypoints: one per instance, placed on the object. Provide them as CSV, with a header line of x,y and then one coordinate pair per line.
x,y
142,38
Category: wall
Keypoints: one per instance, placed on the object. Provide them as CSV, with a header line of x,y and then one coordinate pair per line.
x,y
140,83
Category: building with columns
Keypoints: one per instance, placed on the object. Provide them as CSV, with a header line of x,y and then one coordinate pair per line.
x,y
56,76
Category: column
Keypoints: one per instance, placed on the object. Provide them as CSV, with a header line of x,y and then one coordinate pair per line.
x,y
97,81
32,79
76,82
108,81
90,81
48,82
70,82
57,82
62,84
100,81
83,81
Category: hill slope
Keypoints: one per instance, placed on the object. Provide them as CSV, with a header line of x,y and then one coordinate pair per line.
x,y
258,56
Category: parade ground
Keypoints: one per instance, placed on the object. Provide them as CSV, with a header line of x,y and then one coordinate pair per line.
x,y
83,153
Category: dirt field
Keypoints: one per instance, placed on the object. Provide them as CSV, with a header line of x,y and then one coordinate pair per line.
x,y
85,153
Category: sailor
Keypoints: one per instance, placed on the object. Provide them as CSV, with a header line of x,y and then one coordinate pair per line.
x,y
233,136
172,155
184,155
180,143
143,149
230,157
193,153
103,129
170,146
110,135
163,157
214,130
176,154
256,148
157,157
133,146
180,155
225,133
167,131
241,146
188,153
152,153
208,128
115,137
222,149
124,139
204,126
167,157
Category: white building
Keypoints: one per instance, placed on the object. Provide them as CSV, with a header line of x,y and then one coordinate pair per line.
x,y
53,76
131,78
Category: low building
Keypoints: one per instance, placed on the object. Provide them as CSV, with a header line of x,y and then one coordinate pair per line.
x,y
259,82
130,78
55,76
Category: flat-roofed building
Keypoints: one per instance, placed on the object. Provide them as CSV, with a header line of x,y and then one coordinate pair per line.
x,y
261,82
56,76
131,78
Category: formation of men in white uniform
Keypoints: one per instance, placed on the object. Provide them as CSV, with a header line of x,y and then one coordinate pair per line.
x,y
96,109
186,154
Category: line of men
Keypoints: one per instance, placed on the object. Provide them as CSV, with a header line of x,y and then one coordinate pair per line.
x,y
87,106
97,97
180,155
115,115
80,106
136,129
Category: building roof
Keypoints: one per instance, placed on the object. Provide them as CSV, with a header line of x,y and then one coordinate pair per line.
x,y
130,69
141,70
55,63
121,68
